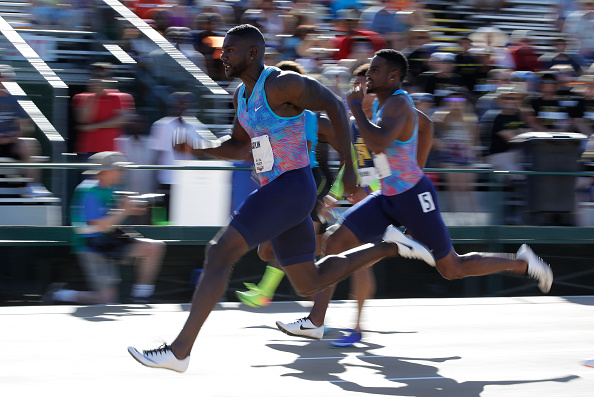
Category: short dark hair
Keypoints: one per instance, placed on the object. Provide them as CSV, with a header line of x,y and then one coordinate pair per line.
x,y
396,59
250,33
361,70
291,66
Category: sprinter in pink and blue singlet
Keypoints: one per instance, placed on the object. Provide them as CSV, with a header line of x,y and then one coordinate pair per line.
x,y
407,197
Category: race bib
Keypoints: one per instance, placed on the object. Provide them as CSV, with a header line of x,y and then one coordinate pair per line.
x,y
382,166
367,175
262,153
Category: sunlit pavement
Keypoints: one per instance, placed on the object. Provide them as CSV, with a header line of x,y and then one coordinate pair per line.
x,y
525,346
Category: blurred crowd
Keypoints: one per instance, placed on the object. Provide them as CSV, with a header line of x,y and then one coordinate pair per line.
x,y
482,89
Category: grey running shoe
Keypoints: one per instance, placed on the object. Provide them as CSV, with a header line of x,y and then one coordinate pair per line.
x,y
48,296
302,327
161,357
407,247
537,268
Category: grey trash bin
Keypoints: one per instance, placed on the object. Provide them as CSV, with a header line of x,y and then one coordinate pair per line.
x,y
551,198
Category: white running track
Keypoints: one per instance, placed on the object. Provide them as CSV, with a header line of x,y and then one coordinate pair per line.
x,y
524,346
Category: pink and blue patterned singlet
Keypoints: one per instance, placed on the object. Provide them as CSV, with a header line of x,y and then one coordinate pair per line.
x,y
286,134
402,156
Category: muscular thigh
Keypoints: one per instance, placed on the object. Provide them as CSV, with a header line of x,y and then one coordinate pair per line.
x,y
340,240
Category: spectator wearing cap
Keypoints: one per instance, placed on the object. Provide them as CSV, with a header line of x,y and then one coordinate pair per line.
x,y
549,114
441,80
100,113
101,244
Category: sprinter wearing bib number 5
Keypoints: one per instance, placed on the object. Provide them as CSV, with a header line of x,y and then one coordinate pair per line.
x,y
407,197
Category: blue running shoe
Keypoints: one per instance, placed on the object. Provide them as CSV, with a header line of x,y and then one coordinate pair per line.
x,y
348,340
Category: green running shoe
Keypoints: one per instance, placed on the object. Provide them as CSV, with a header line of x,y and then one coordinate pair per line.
x,y
253,298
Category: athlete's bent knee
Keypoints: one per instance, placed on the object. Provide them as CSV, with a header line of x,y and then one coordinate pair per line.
x,y
265,252
305,292
339,241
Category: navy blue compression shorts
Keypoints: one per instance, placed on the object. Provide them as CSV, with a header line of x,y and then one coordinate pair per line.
x,y
416,209
280,212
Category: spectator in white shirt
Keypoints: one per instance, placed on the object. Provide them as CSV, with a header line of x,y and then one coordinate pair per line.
x,y
162,133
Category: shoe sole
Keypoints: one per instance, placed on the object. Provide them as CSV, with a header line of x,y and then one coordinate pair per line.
x,y
547,287
151,366
254,287
250,303
344,345
297,335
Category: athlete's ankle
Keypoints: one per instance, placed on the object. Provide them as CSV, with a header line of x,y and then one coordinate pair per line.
x,y
316,321
177,353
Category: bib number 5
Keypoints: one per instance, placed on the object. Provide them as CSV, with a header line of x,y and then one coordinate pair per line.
x,y
426,201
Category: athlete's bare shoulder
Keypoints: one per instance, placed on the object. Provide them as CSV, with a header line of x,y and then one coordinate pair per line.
x,y
397,103
284,81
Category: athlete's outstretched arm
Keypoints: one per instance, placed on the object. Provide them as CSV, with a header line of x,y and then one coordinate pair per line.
x,y
237,148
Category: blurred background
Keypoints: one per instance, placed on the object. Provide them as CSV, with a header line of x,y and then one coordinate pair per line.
x,y
508,83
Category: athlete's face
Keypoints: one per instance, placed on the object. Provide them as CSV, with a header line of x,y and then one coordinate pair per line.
x,y
234,55
379,75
